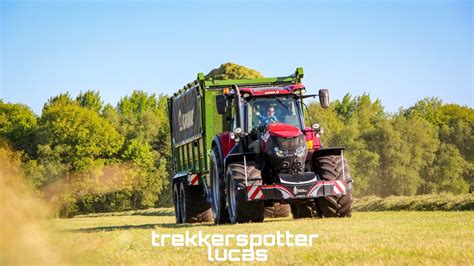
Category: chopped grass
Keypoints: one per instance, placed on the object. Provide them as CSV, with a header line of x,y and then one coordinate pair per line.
x,y
432,202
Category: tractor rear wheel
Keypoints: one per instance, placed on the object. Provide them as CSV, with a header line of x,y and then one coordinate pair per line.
x,y
332,168
194,205
241,210
177,202
278,210
302,210
218,197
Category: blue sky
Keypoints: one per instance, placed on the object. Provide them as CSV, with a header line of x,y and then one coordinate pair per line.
x,y
398,51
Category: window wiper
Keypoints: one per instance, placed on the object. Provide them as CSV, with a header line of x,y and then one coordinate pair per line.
x,y
287,108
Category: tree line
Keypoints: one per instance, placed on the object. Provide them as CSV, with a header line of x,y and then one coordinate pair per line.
x,y
87,156
426,148
91,157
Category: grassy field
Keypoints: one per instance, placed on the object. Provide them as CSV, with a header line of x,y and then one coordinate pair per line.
x,y
366,238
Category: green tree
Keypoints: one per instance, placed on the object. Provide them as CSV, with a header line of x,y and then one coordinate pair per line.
x,y
428,108
151,182
110,114
18,125
406,146
368,112
457,128
446,173
143,117
77,136
90,99
346,106
60,99
74,143
137,103
455,125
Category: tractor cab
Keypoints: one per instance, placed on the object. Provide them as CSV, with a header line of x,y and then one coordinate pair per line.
x,y
268,122
262,111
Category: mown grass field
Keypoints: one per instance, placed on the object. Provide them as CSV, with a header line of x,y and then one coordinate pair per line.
x,y
367,238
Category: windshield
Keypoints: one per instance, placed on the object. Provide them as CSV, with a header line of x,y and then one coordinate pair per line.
x,y
264,110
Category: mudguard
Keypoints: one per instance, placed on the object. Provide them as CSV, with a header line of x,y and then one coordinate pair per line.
x,y
192,179
328,151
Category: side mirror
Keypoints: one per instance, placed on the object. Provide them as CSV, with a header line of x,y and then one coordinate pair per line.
x,y
324,98
221,104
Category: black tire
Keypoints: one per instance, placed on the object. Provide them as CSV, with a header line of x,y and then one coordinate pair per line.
x,y
302,210
241,210
176,202
332,168
218,197
194,206
278,210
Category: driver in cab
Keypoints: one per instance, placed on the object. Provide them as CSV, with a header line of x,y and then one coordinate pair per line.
x,y
269,117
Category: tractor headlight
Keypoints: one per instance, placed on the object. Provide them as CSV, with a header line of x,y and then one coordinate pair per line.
x,y
280,152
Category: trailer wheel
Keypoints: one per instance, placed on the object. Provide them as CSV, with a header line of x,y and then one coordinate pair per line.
x,y
218,198
332,168
176,202
241,210
302,210
193,203
278,210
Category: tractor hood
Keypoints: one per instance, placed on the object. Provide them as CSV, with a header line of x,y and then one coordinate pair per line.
x,y
283,130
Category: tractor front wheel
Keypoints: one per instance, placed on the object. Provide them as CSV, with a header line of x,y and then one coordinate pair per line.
x,y
241,210
332,168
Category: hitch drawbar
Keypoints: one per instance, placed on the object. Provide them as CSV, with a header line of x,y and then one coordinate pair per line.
x,y
315,189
